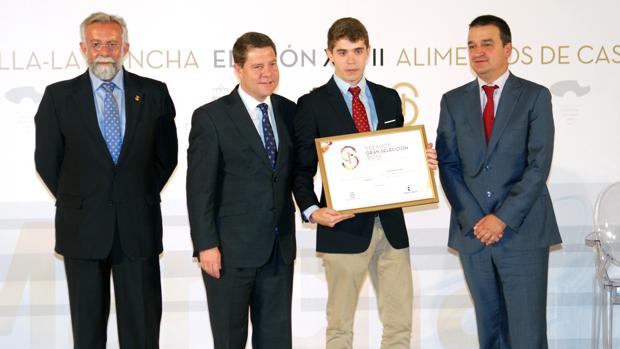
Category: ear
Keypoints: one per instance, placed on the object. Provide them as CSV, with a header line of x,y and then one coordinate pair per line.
x,y
238,70
330,54
508,49
83,48
125,49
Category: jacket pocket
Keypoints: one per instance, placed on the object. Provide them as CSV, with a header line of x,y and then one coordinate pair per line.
x,y
69,201
152,200
233,209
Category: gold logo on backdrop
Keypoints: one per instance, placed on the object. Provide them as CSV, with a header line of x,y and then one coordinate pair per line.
x,y
407,94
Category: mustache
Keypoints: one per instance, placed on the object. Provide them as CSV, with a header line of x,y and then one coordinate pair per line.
x,y
101,59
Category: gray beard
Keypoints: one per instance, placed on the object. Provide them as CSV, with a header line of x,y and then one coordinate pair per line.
x,y
105,72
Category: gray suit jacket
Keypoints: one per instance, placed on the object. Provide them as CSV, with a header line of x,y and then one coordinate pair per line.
x,y
508,176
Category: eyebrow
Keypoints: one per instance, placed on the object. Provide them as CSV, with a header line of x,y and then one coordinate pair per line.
x,y
484,41
353,49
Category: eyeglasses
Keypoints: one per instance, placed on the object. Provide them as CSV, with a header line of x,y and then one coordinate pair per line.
x,y
110,45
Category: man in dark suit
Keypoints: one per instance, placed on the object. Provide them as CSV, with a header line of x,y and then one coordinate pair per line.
x,y
494,145
239,201
374,243
106,145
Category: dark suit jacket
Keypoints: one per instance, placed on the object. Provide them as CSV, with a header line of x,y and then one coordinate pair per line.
x,y
95,197
324,113
234,198
507,177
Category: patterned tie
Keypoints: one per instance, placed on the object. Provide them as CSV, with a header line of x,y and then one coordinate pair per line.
x,y
489,110
270,140
359,112
272,153
111,121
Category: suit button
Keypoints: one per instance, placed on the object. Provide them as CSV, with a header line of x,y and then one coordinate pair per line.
x,y
487,167
110,203
489,194
275,179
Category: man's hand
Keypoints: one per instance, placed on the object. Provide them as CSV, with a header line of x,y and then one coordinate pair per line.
x,y
328,217
211,261
431,156
490,229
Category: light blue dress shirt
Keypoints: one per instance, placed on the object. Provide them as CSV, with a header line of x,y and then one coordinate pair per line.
x,y
119,95
251,105
365,97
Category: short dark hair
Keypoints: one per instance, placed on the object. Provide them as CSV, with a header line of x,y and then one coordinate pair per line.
x,y
247,41
348,28
504,29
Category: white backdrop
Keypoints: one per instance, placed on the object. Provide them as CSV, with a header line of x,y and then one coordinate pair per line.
x,y
419,47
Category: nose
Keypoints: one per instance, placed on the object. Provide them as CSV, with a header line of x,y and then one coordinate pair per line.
x,y
266,71
350,58
476,51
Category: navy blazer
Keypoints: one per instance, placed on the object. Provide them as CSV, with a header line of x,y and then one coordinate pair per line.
x,y
508,176
324,113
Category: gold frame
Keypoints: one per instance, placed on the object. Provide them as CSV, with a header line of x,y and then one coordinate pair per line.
x,y
325,179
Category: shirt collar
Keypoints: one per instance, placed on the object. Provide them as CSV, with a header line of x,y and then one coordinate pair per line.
x,y
343,86
250,102
500,82
117,80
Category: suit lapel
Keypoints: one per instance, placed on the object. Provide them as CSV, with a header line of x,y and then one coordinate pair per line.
x,y
473,113
336,100
283,136
380,106
243,121
507,102
84,103
134,99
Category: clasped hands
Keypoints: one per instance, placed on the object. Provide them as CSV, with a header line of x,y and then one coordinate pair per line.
x,y
490,229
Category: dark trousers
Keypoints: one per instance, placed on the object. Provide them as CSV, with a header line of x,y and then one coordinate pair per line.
x,y
509,290
265,291
137,290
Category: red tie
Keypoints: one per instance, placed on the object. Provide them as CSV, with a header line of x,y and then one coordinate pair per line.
x,y
359,112
489,110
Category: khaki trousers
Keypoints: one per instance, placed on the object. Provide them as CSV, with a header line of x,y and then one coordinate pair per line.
x,y
390,274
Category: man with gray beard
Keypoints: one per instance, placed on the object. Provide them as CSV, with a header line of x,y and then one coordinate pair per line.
x,y
106,145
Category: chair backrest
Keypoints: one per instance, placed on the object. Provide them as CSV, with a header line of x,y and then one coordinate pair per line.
x,y
607,221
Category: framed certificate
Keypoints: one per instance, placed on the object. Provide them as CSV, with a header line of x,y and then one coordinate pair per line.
x,y
378,170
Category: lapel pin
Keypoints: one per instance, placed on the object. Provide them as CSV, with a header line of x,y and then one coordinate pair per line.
x,y
137,98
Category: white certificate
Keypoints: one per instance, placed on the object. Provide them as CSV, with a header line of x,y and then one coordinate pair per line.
x,y
374,171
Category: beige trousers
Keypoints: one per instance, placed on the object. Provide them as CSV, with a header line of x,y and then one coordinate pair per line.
x,y
390,274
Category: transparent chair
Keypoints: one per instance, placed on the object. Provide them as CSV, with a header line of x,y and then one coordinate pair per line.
x,y
605,242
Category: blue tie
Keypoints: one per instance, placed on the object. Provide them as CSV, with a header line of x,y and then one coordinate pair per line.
x,y
270,140
272,153
111,122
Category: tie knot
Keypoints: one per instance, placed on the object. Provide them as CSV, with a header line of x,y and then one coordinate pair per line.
x,y
108,86
355,91
263,108
488,89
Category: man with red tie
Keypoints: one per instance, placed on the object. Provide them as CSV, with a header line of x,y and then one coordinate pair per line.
x,y
374,243
494,145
